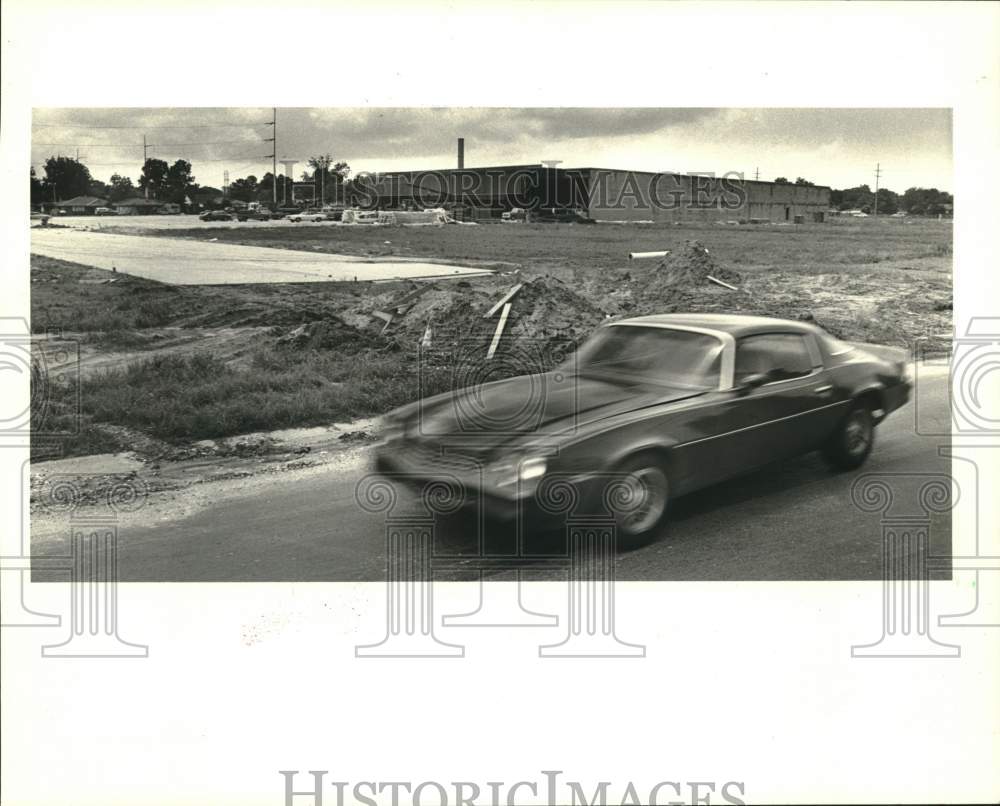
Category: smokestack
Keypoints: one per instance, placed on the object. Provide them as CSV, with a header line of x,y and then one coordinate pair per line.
x,y
461,153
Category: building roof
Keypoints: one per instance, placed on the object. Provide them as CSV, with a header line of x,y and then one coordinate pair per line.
x,y
730,176
83,201
381,176
139,201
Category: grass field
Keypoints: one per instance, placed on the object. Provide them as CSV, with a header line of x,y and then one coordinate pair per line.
x,y
183,363
839,245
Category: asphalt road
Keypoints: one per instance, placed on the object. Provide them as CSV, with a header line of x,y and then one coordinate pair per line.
x,y
189,262
793,521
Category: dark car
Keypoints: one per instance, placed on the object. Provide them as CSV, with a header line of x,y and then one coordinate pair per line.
x,y
253,215
216,215
558,215
668,404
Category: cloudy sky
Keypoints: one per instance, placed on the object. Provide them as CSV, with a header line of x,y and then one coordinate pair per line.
x,y
836,147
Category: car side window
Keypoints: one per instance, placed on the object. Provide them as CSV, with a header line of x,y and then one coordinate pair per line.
x,y
780,356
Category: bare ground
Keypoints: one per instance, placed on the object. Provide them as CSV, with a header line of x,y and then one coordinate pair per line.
x,y
298,357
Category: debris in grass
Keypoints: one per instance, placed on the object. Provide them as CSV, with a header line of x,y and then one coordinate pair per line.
x,y
329,333
719,282
357,437
504,300
499,331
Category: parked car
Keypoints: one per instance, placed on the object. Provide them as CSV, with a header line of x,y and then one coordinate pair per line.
x,y
308,215
253,215
216,215
559,215
665,404
105,211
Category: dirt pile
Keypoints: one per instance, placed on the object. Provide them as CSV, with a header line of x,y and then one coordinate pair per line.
x,y
542,309
688,267
331,333
678,283
547,308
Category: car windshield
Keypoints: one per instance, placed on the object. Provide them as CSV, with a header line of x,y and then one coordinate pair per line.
x,y
639,354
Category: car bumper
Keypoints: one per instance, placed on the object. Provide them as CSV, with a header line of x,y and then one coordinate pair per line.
x,y
897,396
465,481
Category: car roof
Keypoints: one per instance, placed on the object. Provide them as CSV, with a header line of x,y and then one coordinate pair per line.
x,y
734,324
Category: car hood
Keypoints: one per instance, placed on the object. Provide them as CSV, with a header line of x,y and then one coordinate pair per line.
x,y
518,409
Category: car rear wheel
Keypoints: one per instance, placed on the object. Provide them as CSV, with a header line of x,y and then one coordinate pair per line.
x,y
639,501
852,442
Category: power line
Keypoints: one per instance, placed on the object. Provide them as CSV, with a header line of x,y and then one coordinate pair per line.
x,y
150,145
255,160
82,145
146,128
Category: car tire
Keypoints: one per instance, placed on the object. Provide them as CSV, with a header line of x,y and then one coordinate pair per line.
x,y
639,520
850,445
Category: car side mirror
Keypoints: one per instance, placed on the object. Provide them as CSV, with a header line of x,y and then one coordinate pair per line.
x,y
751,381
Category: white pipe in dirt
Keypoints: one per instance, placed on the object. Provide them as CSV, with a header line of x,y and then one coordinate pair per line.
x,y
642,255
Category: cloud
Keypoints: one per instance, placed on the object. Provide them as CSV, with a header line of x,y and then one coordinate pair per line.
x,y
830,146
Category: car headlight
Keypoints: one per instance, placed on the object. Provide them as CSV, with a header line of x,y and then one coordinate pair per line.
x,y
513,470
532,468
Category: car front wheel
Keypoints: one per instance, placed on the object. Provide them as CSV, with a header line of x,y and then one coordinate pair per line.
x,y
852,442
637,496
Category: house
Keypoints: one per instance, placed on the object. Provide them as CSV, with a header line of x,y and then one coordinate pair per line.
x,y
81,205
137,205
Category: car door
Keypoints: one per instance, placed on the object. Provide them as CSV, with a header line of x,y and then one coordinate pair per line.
x,y
783,414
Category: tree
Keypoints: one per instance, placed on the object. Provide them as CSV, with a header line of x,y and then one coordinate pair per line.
x,y
121,188
781,181
65,178
244,189
888,201
805,182
37,189
154,177
98,188
926,201
265,191
328,176
857,198
178,181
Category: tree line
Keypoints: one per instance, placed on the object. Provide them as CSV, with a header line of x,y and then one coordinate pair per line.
x,y
915,201
66,178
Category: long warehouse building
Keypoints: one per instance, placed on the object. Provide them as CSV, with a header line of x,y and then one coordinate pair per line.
x,y
601,194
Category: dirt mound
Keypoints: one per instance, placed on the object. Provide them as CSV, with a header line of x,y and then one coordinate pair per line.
x,y
331,333
547,308
542,308
688,267
679,283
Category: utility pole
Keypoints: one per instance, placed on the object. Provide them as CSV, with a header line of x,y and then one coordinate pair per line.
x,y
144,158
756,174
878,173
273,140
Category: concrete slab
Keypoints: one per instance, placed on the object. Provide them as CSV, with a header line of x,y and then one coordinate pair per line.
x,y
188,262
